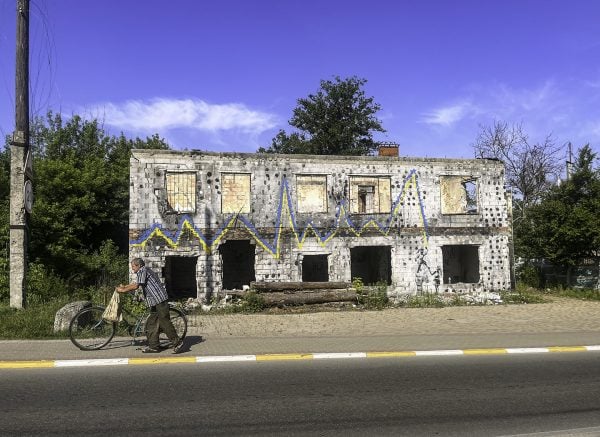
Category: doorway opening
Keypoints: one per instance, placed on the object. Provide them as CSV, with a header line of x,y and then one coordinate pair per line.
x,y
372,264
180,276
238,263
315,268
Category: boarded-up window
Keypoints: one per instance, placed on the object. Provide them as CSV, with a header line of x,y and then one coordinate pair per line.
x,y
312,193
370,195
235,193
459,194
181,192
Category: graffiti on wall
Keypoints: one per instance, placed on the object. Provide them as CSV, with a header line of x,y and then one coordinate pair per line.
x,y
343,224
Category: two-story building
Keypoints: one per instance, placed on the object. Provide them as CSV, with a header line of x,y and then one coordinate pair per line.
x,y
213,221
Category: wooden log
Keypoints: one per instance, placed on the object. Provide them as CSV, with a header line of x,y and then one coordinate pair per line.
x,y
283,286
302,298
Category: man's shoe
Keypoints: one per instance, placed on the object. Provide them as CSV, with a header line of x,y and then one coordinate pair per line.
x,y
178,346
150,350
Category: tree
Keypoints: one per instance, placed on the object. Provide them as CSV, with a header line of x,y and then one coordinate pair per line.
x,y
81,191
337,120
564,227
530,168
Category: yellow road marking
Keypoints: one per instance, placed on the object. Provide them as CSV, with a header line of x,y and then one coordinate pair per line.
x,y
276,357
25,364
567,349
162,360
493,351
390,354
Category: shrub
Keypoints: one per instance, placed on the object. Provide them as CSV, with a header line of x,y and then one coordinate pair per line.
x,y
252,302
372,298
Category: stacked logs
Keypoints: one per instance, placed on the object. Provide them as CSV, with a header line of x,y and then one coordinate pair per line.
x,y
300,293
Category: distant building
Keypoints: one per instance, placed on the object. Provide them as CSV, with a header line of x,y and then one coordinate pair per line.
x,y
212,221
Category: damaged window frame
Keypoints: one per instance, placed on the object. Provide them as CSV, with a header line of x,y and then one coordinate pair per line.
x,y
173,190
467,200
247,206
366,194
319,180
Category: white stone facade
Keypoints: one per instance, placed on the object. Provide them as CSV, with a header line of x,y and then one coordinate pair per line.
x,y
211,221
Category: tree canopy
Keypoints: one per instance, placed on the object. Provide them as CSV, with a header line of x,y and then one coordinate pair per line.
x,y
564,227
337,120
81,192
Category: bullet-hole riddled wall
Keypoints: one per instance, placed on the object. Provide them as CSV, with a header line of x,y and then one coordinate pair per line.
x,y
220,221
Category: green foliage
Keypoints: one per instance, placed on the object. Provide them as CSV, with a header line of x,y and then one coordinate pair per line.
x,y
529,275
80,220
252,302
358,284
43,285
337,120
35,321
565,226
523,293
426,300
584,294
372,298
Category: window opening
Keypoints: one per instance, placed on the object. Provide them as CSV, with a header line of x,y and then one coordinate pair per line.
x,y
311,193
460,264
181,192
235,193
458,194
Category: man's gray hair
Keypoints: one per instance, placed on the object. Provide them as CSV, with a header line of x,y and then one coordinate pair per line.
x,y
138,262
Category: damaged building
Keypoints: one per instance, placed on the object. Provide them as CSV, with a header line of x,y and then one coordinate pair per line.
x,y
208,222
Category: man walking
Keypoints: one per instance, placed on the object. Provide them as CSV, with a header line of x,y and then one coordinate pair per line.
x,y
156,298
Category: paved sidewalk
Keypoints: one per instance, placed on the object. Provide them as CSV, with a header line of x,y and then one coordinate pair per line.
x,y
564,322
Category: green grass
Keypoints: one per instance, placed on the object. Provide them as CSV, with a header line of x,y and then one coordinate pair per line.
x,y
34,322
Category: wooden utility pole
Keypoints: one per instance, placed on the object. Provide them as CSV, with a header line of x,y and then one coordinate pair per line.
x,y
20,164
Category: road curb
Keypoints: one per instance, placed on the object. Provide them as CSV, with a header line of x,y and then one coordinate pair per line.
x,y
23,364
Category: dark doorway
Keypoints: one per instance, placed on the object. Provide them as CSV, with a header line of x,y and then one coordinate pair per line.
x,y
238,263
372,264
461,264
180,276
315,268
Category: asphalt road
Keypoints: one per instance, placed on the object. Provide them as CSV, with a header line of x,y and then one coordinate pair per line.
x,y
474,396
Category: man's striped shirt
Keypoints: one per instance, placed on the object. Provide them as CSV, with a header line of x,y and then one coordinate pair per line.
x,y
154,291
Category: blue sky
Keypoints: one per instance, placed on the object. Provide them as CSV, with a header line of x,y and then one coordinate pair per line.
x,y
225,75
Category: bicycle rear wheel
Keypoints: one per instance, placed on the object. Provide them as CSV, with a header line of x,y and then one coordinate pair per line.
x,y
89,331
179,320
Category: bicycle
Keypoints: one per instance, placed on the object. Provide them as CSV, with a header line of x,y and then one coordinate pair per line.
x,y
89,331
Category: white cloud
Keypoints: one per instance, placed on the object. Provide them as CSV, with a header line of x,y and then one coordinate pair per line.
x,y
449,115
159,115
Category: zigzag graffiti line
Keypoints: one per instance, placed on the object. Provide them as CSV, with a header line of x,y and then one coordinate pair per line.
x,y
172,239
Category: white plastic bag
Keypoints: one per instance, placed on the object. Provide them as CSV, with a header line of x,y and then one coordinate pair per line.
x,y
112,313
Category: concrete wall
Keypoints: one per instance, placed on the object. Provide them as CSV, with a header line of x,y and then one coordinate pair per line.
x,y
289,206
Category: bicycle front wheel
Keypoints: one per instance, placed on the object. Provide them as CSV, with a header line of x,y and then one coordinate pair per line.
x,y
89,331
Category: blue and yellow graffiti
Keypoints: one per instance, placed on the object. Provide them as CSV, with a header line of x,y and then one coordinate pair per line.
x,y
343,222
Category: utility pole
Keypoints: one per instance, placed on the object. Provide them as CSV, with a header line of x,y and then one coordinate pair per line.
x,y
21,173
570,162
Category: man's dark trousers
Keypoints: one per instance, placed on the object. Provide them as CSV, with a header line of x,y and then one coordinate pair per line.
x,y
159,321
